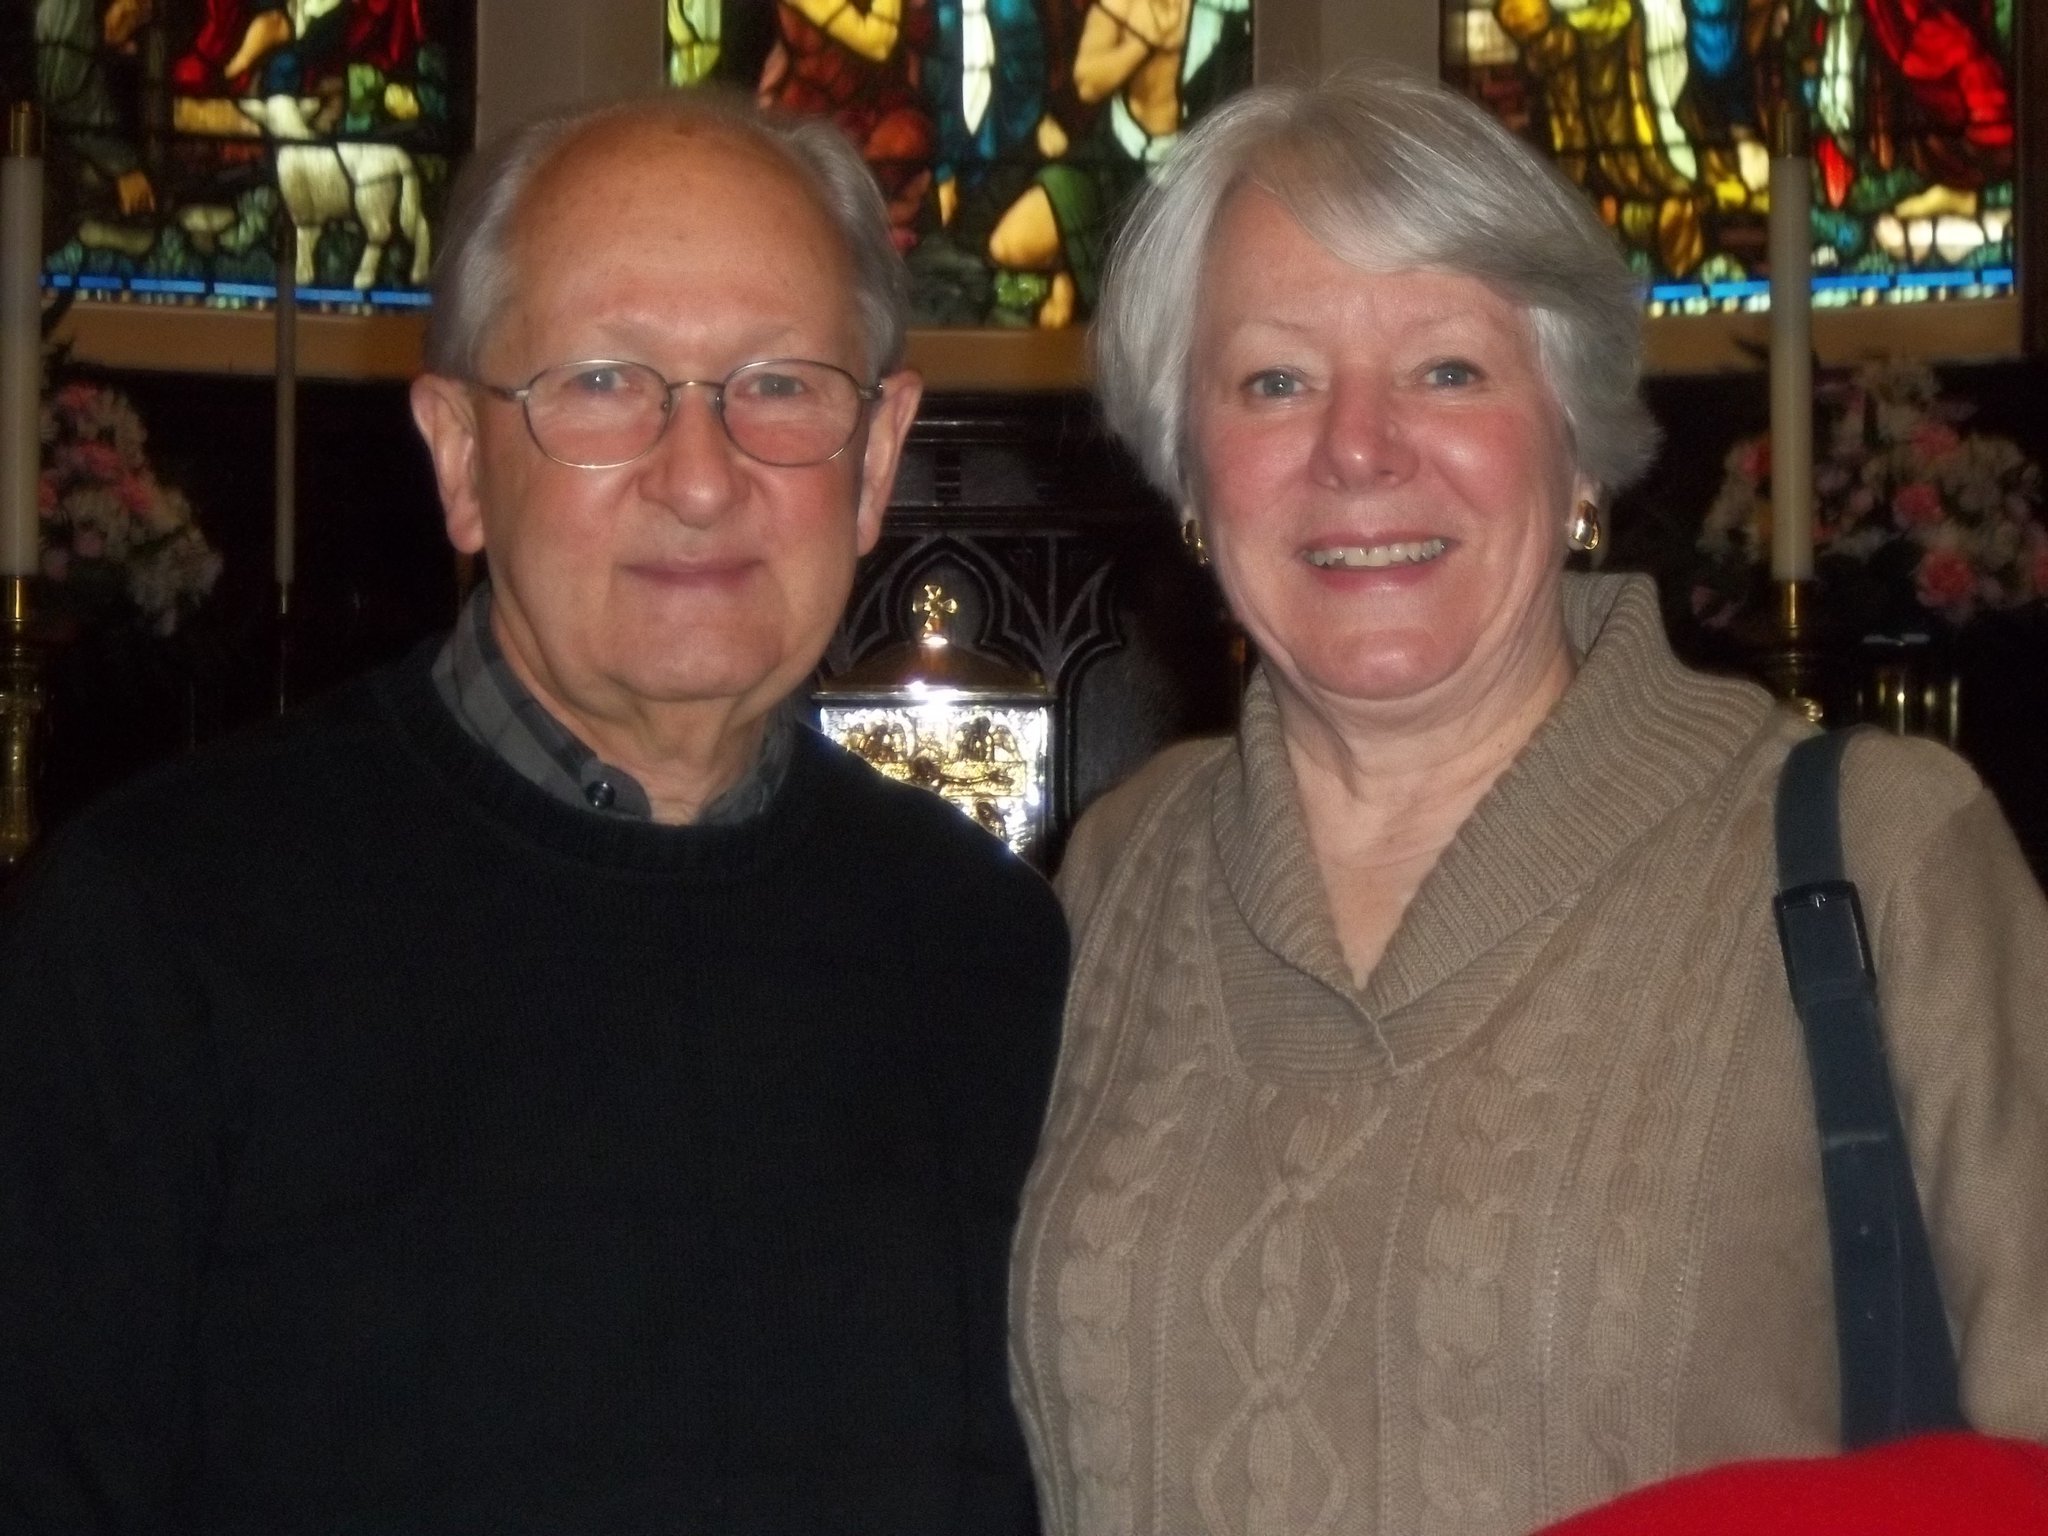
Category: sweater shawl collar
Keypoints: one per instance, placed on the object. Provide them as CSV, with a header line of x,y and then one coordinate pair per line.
x,y
1634,735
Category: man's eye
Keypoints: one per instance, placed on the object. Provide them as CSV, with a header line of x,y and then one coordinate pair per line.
x,y
772,386
1272,384
599,380
1452,373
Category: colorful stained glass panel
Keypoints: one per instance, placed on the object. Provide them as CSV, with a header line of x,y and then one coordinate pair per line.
x,y
1005,134
185,136
1660,109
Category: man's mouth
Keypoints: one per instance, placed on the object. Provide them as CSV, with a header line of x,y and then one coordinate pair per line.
x,y
1375,557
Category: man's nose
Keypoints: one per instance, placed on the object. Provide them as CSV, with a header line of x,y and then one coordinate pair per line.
x,y
694,469
1363,438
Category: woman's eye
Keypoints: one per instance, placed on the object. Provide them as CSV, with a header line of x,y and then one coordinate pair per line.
x,y
1272,384
1452,373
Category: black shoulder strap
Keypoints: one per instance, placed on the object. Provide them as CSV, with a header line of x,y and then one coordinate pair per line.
x,y
1897,1360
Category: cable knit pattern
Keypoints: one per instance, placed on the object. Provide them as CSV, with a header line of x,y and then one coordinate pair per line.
x,y
1303,1142
1497,1119
1532,1216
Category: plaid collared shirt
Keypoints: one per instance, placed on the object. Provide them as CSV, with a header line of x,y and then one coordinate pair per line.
x,y
485,695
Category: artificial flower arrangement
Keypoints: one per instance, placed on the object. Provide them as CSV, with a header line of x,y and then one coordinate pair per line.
x,y
110,528
1917,524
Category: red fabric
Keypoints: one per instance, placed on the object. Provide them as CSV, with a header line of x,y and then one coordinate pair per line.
x,y
380,32
384,32
1937,1485
219,35
1837,171
1951,72
876,103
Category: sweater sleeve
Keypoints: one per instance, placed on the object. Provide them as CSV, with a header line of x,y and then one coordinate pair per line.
x,y
1961,933
107,1117
1115,822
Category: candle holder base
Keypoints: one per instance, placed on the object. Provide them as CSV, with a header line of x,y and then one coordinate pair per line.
x,y
21,702
1787,650
282,669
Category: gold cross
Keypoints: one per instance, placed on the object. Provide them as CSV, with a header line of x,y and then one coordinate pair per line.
x,y
936,608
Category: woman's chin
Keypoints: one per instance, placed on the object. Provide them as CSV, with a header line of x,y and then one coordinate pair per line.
x,y
1382,678
1369,664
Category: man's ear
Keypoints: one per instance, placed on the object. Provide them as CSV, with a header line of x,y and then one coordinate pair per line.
x,y
445,412
888,425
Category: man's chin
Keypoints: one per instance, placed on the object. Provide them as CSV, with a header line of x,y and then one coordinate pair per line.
x,y
700,681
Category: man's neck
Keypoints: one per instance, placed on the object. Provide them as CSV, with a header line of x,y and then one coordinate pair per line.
x,y
721,766
684,756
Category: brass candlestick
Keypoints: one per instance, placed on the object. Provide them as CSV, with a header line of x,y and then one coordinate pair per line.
x,y
1790,656
21,700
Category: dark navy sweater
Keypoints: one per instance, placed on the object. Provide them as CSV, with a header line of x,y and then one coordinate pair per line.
x,y
388,1147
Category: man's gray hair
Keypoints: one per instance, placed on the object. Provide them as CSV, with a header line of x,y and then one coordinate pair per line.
x,y
1387,170
474,277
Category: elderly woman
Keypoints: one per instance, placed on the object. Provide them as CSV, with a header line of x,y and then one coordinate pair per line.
x,y
1432,1148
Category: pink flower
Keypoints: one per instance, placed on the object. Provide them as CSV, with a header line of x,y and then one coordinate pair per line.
x,y
56,562
1917,505
88,543
136,494
77,398
1755,461
1945,580
91,461
1934,438
46,494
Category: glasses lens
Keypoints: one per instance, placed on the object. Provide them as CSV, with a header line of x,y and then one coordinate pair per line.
x,y
791,412
596,414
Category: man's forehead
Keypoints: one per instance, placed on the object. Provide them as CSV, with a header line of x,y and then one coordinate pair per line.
x,y
628,190
666,150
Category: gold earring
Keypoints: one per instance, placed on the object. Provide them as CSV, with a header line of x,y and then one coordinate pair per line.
x,y
1585,530
1191,536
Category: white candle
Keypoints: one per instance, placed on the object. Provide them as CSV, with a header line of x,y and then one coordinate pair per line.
x,y
21,312
1791,258
287,483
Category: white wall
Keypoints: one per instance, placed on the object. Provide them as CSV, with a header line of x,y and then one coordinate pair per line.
x,y
536,56
1299,39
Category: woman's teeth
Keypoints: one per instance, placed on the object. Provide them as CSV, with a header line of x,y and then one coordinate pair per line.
x,y
1376,556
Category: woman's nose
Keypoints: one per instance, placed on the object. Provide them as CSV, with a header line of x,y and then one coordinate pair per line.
x,y
1364,438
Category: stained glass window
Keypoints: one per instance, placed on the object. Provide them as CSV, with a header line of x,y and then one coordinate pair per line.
x,y
1005,134
182,138
1659,109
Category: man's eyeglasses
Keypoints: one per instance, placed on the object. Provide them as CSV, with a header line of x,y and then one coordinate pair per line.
x,y
602,413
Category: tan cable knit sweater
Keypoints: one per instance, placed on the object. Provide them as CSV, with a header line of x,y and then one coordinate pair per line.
x,y
1534,1217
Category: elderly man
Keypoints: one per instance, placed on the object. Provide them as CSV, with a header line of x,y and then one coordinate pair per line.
x,y
545,1088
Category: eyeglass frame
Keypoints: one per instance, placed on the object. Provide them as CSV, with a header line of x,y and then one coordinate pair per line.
x,y
867,395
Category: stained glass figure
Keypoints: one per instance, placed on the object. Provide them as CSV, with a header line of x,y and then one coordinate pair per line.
x,y
1659,109
693,38
1005,134
184,137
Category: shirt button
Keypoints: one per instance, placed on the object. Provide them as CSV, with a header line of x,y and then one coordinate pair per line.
x,y
600,794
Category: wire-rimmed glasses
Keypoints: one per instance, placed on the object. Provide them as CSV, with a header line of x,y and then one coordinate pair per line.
x,y
603,412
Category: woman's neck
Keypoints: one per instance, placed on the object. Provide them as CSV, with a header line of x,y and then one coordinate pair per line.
x,y
1382,796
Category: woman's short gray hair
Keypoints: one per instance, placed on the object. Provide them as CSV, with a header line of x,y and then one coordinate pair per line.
x,y
1388,170
474,277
